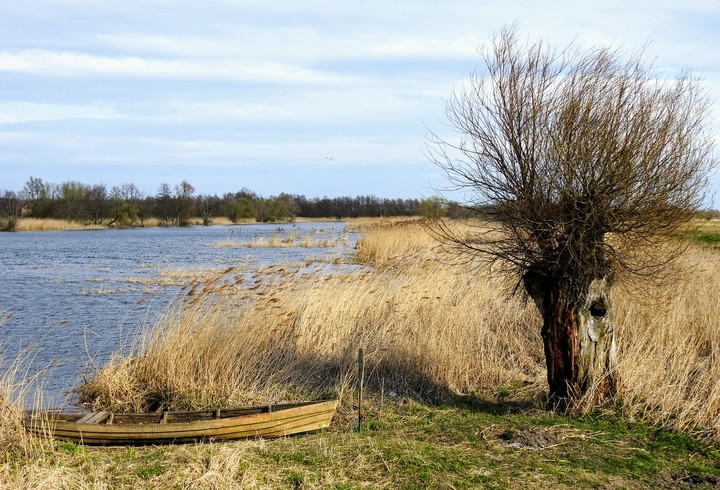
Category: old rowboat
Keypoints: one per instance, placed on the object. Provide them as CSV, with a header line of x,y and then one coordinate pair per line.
x,y
172,427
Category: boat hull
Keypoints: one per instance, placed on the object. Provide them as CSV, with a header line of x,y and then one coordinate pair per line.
x,y
182,427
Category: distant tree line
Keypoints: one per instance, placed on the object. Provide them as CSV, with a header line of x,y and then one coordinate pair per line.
x,y
126,205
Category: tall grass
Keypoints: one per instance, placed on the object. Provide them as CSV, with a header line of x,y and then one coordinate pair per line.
x,y
51,224
386,241
428,329
15,443
284,240
669,347
41,224
13,439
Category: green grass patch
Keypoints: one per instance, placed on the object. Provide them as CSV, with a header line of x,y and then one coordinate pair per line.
x,y
707,238
408,445
69,447
149,471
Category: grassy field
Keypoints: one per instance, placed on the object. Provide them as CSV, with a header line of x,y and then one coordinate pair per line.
x,y
409,445
455,379
708,233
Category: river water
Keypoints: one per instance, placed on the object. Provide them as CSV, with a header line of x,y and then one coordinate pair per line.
x,y
71,298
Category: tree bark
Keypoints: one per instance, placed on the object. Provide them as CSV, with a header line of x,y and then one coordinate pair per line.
x,y
597,350
578,337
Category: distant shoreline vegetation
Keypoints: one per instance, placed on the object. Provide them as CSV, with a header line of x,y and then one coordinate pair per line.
x,y
75,205
72,205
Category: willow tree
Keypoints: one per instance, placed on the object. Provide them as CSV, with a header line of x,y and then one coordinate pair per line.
x,y
584,158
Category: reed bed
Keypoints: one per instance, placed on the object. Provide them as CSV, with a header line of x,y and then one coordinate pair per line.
x,y
284,240
710,225
41,224
430,331
669,347
51,224
15,443
13,439
386,241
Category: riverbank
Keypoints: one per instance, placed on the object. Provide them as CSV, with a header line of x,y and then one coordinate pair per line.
x,y
484,444
39,224
455,378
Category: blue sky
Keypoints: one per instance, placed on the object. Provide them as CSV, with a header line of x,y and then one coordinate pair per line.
x,y
309,97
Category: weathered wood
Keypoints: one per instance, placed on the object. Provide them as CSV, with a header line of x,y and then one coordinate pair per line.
x,y
186,426
597,356
94,418
361,386
578,337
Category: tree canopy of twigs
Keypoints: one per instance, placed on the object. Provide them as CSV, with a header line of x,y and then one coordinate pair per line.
x,y
586,161
584,158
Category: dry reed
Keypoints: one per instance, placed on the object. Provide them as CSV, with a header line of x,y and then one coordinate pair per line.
x,y
429,330
669,347
39,224
15,443
284,240
51,224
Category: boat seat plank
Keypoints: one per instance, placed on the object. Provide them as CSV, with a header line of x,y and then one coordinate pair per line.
x,y
93,418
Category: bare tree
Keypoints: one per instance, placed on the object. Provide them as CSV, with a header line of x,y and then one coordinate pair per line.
x,y
184,198
584,159
10,206
98,203
205,209
164,197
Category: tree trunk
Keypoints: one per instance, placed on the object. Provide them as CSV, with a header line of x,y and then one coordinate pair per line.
x,y
578,336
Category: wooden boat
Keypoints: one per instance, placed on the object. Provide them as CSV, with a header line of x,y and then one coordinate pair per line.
x,y
173,427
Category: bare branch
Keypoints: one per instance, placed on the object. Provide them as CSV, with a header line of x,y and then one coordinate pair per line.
x,y
570,149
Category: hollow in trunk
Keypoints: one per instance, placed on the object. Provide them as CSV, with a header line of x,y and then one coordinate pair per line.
x,y
578,336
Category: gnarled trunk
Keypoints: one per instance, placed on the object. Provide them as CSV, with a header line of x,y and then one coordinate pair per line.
x,y
578,336
597,351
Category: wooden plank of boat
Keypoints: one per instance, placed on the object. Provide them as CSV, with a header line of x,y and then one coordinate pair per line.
x,y
171,427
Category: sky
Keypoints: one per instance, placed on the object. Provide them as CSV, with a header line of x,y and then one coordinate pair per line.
x,y
321,98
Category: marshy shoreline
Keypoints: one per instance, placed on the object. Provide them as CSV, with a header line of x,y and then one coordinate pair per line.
x,y
49,224
455,382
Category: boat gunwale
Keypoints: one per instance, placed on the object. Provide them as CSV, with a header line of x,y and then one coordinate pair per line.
x,y
274,421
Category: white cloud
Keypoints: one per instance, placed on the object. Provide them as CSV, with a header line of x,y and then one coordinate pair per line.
x,y
232,82
20,112
78,65
298,45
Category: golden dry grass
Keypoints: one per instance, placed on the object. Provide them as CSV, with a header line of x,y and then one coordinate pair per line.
x,y
428,329
15,442
283,239
421,326
669,347
50,224
38,224
709,225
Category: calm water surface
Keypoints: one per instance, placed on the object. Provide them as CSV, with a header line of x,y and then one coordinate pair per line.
x,y
74,297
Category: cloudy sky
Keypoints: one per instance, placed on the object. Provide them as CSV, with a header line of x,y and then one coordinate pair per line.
x,y
309,97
